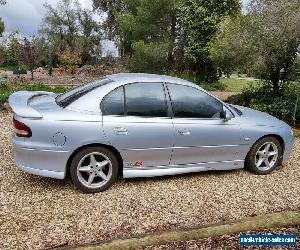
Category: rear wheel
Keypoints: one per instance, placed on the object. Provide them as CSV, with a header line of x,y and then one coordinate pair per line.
x,y
264,156
94,169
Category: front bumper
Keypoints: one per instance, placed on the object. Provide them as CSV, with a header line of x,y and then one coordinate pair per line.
x,y
43,162
288,150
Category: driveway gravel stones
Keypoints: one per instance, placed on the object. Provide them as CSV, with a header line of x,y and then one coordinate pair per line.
x,y
41,213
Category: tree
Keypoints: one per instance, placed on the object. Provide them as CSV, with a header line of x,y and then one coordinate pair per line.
x,y
112,9
70,60
89,36
184,26
148,58
30,54
13,50
2,27
200,20
69,26
2,2
269,42
228,51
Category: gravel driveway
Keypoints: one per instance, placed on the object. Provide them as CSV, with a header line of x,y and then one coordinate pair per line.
x,y
39,213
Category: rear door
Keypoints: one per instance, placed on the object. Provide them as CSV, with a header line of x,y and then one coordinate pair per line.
x,y
137,123
201,136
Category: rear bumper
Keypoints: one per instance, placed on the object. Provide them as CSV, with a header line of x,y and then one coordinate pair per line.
x,y
47,163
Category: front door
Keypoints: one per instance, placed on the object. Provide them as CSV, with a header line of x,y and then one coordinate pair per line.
x,y
136,122
201,136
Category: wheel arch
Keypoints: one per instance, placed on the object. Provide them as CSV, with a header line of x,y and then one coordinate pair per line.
x,y
109,147
278,137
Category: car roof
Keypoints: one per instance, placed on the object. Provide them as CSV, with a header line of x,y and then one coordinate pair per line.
x,y
85,103
143,77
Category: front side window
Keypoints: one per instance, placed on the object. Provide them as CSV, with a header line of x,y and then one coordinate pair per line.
x,y
113,103
146,99
189,102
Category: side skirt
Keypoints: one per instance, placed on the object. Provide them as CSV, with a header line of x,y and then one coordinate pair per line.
x,y
181,169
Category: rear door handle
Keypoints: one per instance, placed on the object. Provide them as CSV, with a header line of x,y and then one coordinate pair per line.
x,y
121,131
184,132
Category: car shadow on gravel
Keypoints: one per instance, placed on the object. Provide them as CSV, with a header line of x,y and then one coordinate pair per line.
x,y
49,184
45,182
188,175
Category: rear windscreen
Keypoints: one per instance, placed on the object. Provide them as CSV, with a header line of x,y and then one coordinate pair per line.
x,y
66,99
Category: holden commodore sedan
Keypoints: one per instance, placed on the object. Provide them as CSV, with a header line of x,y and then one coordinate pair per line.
x,y
141,125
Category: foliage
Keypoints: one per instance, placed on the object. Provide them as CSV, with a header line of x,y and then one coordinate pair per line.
x,y
70,60
149,58
199,21
112,9
262,98
30,54
184,27
267,39
13,50
7,89
214,86
228,50
19,70
2,27
69,26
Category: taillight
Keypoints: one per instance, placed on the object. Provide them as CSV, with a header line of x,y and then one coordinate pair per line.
x,y
21,129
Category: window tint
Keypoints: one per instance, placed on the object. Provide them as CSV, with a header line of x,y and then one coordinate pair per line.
x,y
146,99
113,103
71,96
188,102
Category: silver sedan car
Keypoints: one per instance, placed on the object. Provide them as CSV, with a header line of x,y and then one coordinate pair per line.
x,y
141,125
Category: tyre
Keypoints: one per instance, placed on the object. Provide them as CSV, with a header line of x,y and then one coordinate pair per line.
x,y
264,156
94,169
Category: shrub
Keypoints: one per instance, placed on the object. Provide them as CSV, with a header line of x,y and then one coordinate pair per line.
x,y
260,97
148,58
20,70
6,90
41,87
4,97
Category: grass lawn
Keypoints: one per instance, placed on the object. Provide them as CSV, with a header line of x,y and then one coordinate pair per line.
x,y
236,85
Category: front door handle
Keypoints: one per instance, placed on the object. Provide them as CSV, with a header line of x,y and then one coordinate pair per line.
x,y
121,131
184,132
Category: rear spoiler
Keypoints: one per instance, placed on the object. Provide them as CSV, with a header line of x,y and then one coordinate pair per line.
x,y
19,103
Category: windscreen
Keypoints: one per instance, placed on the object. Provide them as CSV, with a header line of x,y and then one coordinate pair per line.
x,y
66,99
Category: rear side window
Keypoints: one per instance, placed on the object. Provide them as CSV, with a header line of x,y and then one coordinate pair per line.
x,y
145,99
189,102
113,103
66,99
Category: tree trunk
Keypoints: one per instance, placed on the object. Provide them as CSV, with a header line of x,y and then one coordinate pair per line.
x,y
275,78
31,74
173,37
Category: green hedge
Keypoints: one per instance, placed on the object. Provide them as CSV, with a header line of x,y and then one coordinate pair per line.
x,y
261,97
7,89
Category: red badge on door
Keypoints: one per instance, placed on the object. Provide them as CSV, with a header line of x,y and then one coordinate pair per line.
x,y
138,163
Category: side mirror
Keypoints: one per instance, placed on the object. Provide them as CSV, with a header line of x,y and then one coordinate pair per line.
x,y
225,115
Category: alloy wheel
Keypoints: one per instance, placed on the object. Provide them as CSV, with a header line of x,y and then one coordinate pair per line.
x,y
94,170
266,156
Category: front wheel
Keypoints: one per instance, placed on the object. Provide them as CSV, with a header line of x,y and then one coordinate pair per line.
x,y
264,156
94,169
